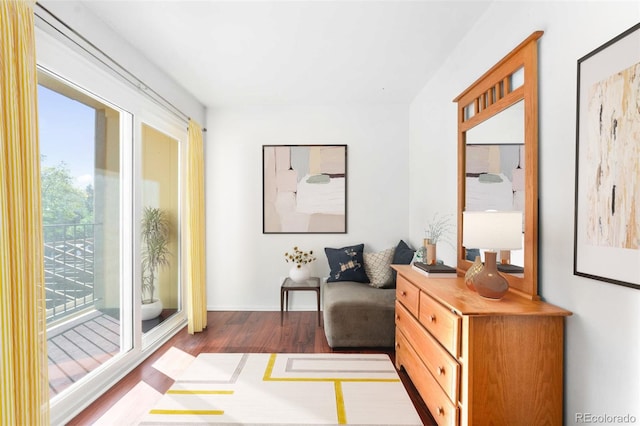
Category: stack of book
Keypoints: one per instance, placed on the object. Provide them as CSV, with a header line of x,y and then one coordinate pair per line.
x,y
510,269
433,271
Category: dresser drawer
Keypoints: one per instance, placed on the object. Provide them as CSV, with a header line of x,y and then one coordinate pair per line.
x,y
408,294
443,324
442,366
442,409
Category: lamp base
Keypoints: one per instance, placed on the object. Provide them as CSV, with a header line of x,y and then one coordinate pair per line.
x,y
489,283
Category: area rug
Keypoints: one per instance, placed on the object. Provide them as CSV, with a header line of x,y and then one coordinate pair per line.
x,y
286,389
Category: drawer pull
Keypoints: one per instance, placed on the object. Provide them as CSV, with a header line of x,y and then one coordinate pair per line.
x,y
397,317
403,293
440,371
440,411
432,318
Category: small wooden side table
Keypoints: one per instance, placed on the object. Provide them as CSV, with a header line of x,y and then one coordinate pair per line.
x,y
312,284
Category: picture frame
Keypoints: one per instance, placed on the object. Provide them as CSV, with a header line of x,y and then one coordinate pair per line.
x,y
607,183
304,189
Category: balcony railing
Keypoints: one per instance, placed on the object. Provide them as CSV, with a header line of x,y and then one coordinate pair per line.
x,y
69,268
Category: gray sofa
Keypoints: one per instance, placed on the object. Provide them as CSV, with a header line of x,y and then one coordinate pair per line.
x,y
358,315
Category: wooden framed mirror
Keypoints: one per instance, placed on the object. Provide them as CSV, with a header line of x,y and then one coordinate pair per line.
x,y
498,156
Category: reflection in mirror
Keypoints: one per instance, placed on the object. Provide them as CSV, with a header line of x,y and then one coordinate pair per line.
x,y
495,166
494,177
506,127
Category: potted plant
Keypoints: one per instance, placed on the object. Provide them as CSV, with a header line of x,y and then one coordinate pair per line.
x,y
437,230
155,234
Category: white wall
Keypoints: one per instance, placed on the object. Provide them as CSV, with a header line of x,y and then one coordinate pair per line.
x,y
74,14
602,374
245,266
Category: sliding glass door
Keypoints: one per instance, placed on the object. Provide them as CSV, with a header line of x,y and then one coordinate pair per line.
x,y
80,144
160,227
111,168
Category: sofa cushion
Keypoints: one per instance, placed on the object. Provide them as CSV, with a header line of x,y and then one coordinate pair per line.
x,y
358,315
378,268
346,264
403,255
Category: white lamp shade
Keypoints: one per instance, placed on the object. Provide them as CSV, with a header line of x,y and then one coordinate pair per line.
x,y
492,230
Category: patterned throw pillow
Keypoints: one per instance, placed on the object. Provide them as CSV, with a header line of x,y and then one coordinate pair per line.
x,y
378,268
346,264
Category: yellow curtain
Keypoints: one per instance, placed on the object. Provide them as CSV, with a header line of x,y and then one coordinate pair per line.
x,y
195,232
24,388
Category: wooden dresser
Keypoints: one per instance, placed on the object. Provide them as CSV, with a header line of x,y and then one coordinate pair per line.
x,y
477,361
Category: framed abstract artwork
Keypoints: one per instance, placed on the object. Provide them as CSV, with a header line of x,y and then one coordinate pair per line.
x,y
607,197
304,189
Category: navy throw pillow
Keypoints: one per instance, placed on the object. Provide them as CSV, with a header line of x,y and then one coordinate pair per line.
x,y
346,264
402,256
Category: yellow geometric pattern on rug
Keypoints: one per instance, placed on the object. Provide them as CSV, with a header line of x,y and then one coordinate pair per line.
x,y
337,384
270,389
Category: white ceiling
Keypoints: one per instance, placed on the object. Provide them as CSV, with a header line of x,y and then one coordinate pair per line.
x,y
303,52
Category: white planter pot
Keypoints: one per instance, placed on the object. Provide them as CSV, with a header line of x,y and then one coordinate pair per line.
x,y
151,310
300,274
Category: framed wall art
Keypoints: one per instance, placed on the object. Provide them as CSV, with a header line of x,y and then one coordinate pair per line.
x,y
607,197
304,189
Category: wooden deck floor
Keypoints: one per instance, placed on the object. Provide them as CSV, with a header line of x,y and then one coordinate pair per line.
x,y
78,347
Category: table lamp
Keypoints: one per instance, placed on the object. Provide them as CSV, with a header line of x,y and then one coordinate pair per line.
x,y
492,230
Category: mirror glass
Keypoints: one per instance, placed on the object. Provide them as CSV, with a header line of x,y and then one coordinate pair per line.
x,y
495,169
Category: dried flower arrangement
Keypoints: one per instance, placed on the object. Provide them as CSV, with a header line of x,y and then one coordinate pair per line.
x,y
439,229
299,257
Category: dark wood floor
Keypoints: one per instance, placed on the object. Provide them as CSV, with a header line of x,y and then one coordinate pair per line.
x,y
259,332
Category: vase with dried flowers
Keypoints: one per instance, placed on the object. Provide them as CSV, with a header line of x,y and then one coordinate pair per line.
x,y
299,272
438,229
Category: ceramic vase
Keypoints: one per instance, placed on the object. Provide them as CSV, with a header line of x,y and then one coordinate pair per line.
x,y
431,253
299,274
473,270
489,283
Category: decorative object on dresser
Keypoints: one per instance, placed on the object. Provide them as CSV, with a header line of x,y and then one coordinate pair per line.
x,y
299,272
492,230
438,229
475,268
435,270
607,217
